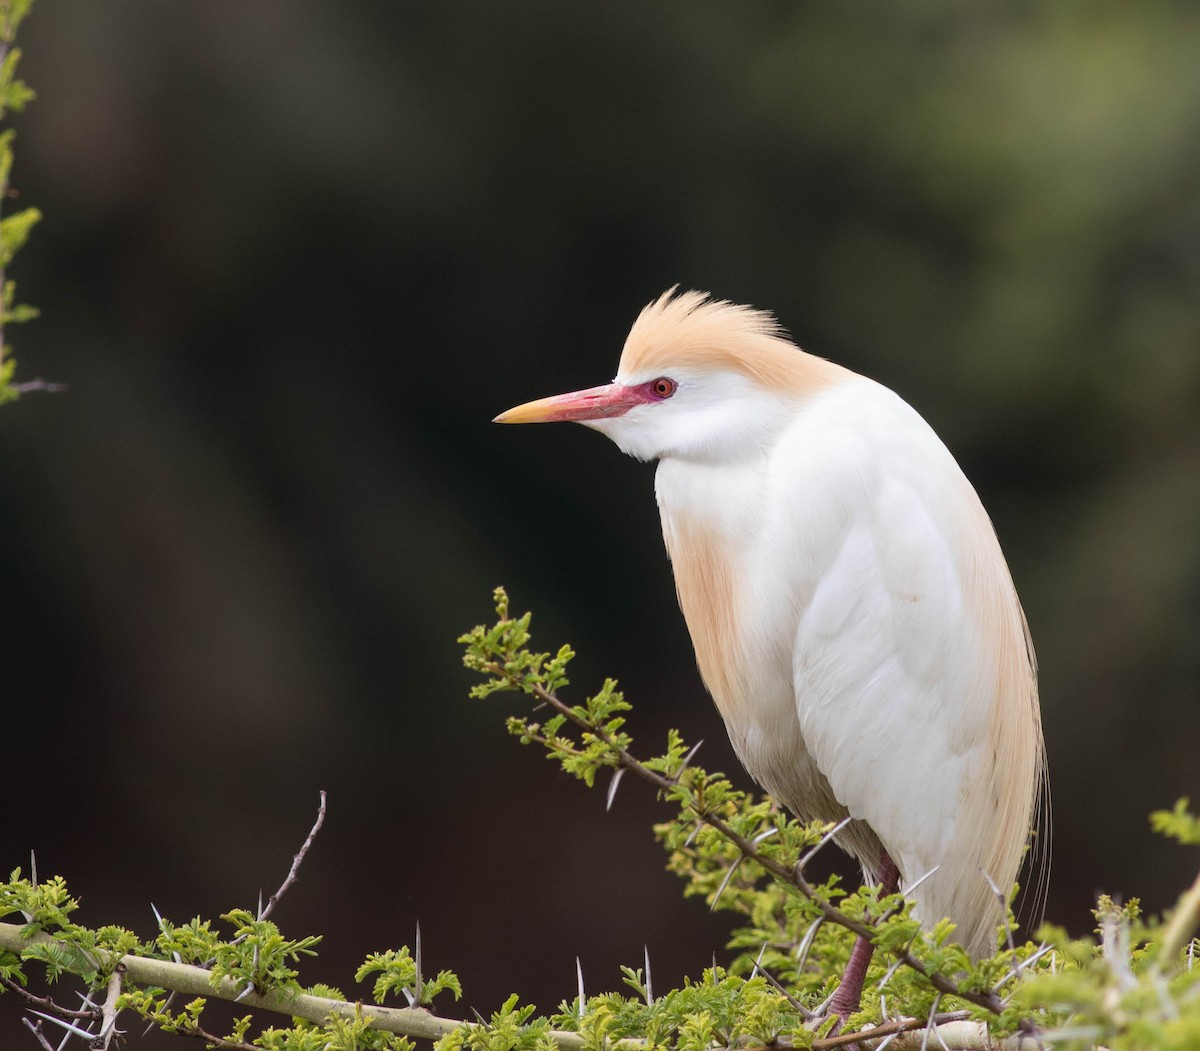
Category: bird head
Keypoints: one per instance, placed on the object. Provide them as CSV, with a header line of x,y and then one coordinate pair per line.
x,y
699,379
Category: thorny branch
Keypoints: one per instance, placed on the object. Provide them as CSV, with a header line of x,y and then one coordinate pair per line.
x,y
108,1013
793,877
158,972
421,1024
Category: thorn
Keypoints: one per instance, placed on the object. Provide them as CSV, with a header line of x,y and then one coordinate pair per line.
x,y
247,991
649,984
797,1006
694,833
1018,967
618,773
889,974
32,879
259,914
806,943
38,384
687,759
914,885
75,1030
724,883
478,1017
931,1027
823,1007
418,955
758,960
579,975
800,866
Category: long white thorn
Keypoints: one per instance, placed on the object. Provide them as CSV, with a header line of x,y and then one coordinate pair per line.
x,y
758,960
74,1030
725,883
579,975
803,862
649,983
803,949
618,773
418,952
916,883
32,879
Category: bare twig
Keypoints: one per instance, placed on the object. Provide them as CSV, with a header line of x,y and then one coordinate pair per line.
x,y
46,1003
222,1042
38,384
296,861
36,1029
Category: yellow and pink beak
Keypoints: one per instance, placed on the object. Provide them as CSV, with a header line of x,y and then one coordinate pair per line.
x,y
595,403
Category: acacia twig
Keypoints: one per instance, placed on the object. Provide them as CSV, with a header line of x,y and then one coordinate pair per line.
x,y
296,861
794,878
108,1013
36,1029
46,1002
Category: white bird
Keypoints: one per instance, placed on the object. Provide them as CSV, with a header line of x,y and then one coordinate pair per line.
x,y
851,611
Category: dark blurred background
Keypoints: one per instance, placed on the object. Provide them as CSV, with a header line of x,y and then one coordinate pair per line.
x,y
297,255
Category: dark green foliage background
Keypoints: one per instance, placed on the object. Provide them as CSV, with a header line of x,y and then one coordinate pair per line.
x,y
296,256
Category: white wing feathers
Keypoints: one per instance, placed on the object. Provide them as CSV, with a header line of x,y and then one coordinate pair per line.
x,y
909,707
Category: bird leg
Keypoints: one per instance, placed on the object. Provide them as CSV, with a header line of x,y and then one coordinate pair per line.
x,y
849,993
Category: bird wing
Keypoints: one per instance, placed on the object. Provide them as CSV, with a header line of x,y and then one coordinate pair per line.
x,y
913,684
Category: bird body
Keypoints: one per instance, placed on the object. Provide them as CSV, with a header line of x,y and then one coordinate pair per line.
x,y
850,608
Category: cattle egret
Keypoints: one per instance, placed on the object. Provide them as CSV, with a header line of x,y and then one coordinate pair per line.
x,y
851,612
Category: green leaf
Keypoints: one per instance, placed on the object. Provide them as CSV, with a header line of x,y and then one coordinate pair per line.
x,y
1178,824
14,232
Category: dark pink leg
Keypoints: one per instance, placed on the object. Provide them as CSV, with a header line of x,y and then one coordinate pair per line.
x,y
849,993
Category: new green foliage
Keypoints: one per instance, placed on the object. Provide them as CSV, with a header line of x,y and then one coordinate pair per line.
x,y
14,228
1132,986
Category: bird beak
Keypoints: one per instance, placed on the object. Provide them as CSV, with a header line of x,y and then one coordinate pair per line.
x,y
595,403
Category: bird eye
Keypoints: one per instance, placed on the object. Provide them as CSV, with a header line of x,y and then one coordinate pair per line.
x,y
663,387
